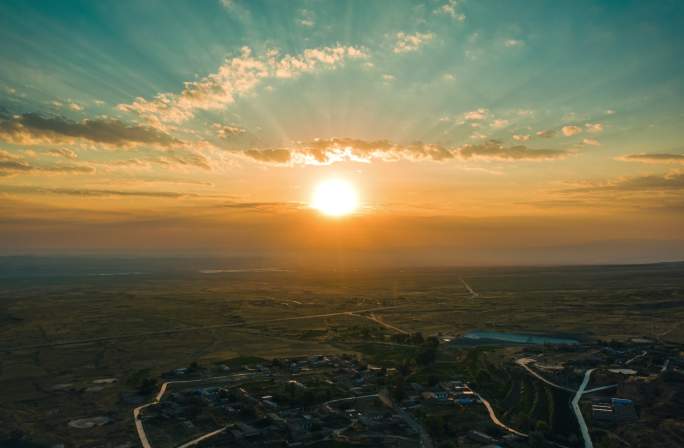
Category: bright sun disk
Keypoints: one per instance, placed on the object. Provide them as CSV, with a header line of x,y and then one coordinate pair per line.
x,y
335,197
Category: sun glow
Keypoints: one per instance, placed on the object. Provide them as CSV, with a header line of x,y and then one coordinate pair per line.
x,y
335,197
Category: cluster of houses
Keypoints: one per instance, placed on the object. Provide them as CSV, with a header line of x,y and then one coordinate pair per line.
x,y
445,392
263,411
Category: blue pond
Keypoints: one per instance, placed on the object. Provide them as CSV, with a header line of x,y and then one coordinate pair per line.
x,y
514,338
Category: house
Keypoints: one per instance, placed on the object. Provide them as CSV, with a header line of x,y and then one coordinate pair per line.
x,y
617,410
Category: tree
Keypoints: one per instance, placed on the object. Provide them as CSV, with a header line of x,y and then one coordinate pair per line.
x,y
542,426
426,356
536,439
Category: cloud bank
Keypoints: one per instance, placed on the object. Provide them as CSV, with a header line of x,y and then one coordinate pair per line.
x,y
329,151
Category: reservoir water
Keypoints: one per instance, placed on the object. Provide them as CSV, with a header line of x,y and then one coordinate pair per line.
x,y
515,338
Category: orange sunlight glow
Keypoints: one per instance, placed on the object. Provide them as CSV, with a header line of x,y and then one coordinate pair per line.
x,y
335,197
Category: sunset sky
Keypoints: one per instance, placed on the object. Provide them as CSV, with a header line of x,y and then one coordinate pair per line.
x,y
474,131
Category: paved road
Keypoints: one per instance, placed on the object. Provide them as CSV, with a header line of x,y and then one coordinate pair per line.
x,y
578,412
640,355
192,329
495,419
194,442
523,362
162,390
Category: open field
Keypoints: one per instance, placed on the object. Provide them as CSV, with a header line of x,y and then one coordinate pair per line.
x,y
60,334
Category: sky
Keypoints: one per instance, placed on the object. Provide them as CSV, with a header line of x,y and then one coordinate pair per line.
x,y
475,132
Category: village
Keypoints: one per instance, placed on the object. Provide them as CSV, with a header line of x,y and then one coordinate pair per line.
x,y
323,399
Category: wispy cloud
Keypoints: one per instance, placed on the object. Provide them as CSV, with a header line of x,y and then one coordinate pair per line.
x,y
511,43
306,18
406,43
653,158
672,181
548,133
89,192
452,9
476,115
235,77
569,131
13,165
227,130
594,127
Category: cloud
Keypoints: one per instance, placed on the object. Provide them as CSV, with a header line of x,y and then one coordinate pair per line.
x,y
277,156
36,129
495,150
63,152
12,165
406,43
237,76
448,77
591,142
594,128
569,131
510,43
227,131
306,18
673,181
87,192
653,158
522,137
388,78
475,115
329,151
451,9
499,123
549,133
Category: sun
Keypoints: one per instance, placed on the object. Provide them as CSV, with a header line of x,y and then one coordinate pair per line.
x,y
335,197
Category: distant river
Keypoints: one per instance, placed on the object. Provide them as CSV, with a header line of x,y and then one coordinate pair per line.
x,y
515,338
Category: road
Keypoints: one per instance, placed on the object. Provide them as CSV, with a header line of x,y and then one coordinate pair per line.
x,y
372,317
472,292
425,440
640,355
522,362
495,419
194,442
162,390
578,412
193,329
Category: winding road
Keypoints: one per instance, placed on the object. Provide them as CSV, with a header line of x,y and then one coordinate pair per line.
x,y
495,419
162,390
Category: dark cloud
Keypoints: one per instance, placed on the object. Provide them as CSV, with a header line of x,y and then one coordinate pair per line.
x,y
63,152
653,158
328,151
549,133
495,150
653,182
269,155
86,192
10,164
32,128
